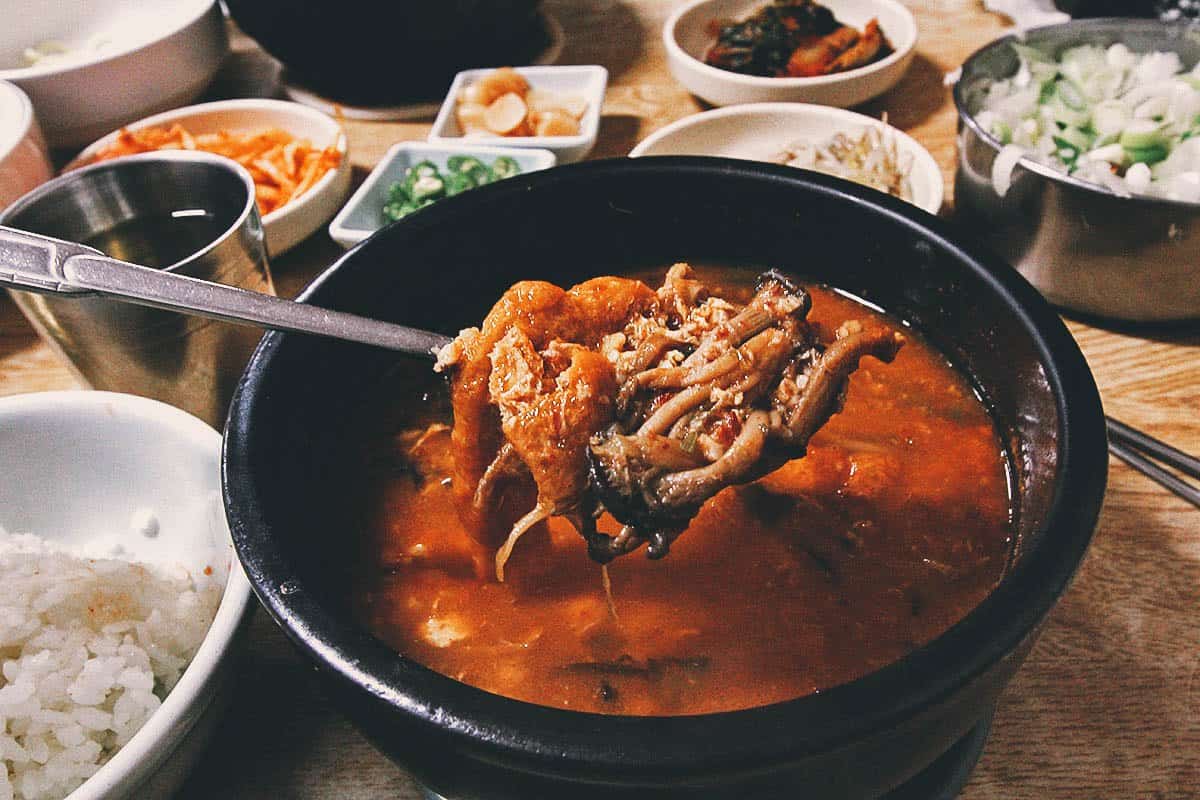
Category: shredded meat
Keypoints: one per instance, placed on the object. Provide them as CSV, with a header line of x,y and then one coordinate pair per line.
x,y
611,396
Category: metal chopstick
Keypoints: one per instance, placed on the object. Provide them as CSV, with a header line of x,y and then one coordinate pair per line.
x,y
1133,447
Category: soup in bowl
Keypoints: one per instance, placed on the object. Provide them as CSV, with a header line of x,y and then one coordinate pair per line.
x,y
862,605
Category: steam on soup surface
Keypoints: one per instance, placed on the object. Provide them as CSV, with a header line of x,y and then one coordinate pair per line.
x,y
893,527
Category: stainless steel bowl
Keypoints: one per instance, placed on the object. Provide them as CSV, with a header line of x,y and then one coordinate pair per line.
x,y
188,362
1086,249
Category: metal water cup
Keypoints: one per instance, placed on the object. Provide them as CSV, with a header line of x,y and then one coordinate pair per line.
x,y
187,361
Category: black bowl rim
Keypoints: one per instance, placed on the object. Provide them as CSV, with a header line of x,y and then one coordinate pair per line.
x,y
1099,26
557,741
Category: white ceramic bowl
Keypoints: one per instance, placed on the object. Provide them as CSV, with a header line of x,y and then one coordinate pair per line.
x,y
77,465
287,226
134,57
687,38
23,160
587,81
363,213
759,131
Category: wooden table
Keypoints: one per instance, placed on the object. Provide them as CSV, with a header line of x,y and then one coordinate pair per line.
x,y
1108,704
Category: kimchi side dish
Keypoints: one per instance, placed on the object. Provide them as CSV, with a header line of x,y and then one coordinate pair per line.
x,y
816,489
794,39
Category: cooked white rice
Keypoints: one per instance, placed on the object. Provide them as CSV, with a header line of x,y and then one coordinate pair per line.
x,y
88,650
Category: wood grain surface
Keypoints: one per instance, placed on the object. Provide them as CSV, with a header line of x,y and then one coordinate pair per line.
x,y
1108,704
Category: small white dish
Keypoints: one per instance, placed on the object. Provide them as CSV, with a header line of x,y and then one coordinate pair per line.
x,y
79,466
587,81
759,131
687,37
23,160
290,224
124,60
363,213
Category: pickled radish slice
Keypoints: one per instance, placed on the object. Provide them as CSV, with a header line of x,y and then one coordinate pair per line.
x,y
470,116
555,123
505,114
500,82
502,103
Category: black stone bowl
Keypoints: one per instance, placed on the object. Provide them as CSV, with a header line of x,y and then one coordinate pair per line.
x,y
301,422
406,50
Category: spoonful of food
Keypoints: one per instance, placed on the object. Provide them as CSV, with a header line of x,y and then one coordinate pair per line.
x,y
36,263
613,397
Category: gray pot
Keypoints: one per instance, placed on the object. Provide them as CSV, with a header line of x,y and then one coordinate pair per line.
x,y
1084,248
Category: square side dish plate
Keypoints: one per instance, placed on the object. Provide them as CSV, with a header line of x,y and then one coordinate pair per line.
x,y
586,82
363,214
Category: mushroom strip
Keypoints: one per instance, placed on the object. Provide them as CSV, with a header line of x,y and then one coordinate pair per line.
x,y
742,407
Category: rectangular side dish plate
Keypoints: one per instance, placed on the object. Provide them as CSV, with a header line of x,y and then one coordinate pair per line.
x,y
363,213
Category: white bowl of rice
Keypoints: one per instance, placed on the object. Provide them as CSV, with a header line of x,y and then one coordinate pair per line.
x,y
121,601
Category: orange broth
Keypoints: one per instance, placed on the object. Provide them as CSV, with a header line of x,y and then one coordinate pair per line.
x,y
893,527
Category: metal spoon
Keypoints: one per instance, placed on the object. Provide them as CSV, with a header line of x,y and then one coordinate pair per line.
x,y
36,263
